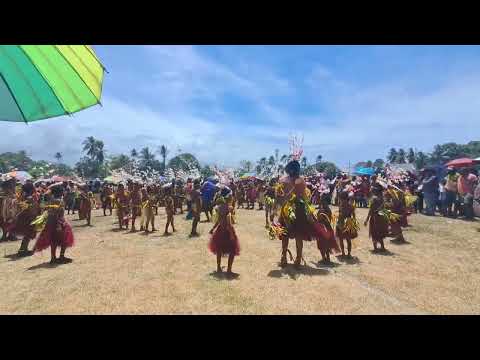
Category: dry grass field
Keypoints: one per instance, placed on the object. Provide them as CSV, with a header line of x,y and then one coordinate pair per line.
x,y
113,272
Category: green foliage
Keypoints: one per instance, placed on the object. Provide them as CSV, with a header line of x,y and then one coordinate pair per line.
x,y
119,161
326,167
91,168
206,172
18,160
184,162
379,163
411,156
392,155
94,149
401,157
421,160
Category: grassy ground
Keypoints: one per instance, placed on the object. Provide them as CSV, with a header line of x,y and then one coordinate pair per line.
x,y
115,272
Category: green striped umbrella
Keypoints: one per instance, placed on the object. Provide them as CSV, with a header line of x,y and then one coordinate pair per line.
x,y
43,81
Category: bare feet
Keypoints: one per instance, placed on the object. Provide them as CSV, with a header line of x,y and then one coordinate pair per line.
x,y
63,260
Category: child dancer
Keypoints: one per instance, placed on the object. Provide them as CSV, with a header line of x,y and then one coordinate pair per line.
x,y
122,201
169,209
136,200
85,212
148,212
224,240
347,225
196,207
56,232
378,225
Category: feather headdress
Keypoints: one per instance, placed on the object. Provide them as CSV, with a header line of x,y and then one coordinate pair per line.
x,y
296,149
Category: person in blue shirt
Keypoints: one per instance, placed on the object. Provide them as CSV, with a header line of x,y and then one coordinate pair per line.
x,y
208,193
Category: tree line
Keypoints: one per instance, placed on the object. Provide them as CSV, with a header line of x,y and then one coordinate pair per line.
x,y
95,162
441,154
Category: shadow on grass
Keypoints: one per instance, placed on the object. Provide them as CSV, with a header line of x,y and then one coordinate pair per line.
x,y
382,252
224,276
45,265
349,260
17,256
325,265
399,242
292,272
49,265
82,226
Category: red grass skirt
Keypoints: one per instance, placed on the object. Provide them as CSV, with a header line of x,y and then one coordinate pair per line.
x,y
55,234
325,236
224,241
85,208
305,230
378,227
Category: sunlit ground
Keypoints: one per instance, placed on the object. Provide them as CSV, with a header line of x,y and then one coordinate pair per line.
x,y
437,272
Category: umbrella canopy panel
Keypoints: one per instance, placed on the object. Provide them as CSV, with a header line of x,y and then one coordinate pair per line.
x,y
463,162
44,81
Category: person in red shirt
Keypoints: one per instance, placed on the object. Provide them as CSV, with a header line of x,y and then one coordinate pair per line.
x,y
466,186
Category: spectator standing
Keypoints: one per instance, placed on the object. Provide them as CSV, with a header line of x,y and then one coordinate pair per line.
x,y
451,190
466,186
430,191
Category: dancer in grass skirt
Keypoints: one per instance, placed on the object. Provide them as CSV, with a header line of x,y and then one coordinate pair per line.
x,y
395,204
122,202
270,203
297,218
106,199
347,224
29,211
376,220
86,205
56,231
325,218
224,240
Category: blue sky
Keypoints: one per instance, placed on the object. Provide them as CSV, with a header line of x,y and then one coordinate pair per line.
x,y
228,103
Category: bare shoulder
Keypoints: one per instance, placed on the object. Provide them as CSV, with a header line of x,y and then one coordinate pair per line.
x,y
300,181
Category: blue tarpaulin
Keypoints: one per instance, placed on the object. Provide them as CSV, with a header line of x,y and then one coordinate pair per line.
x,y
365,171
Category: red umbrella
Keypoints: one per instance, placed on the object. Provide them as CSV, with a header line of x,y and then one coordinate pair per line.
x,y
463,162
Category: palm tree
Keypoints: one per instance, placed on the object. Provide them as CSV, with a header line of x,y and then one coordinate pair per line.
x,y
319,159
271,161
420,160
411,156
163,153
401,156
147,157
392,155
94,149
89,146
284,159
100,152
58,156
304,162
134,153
